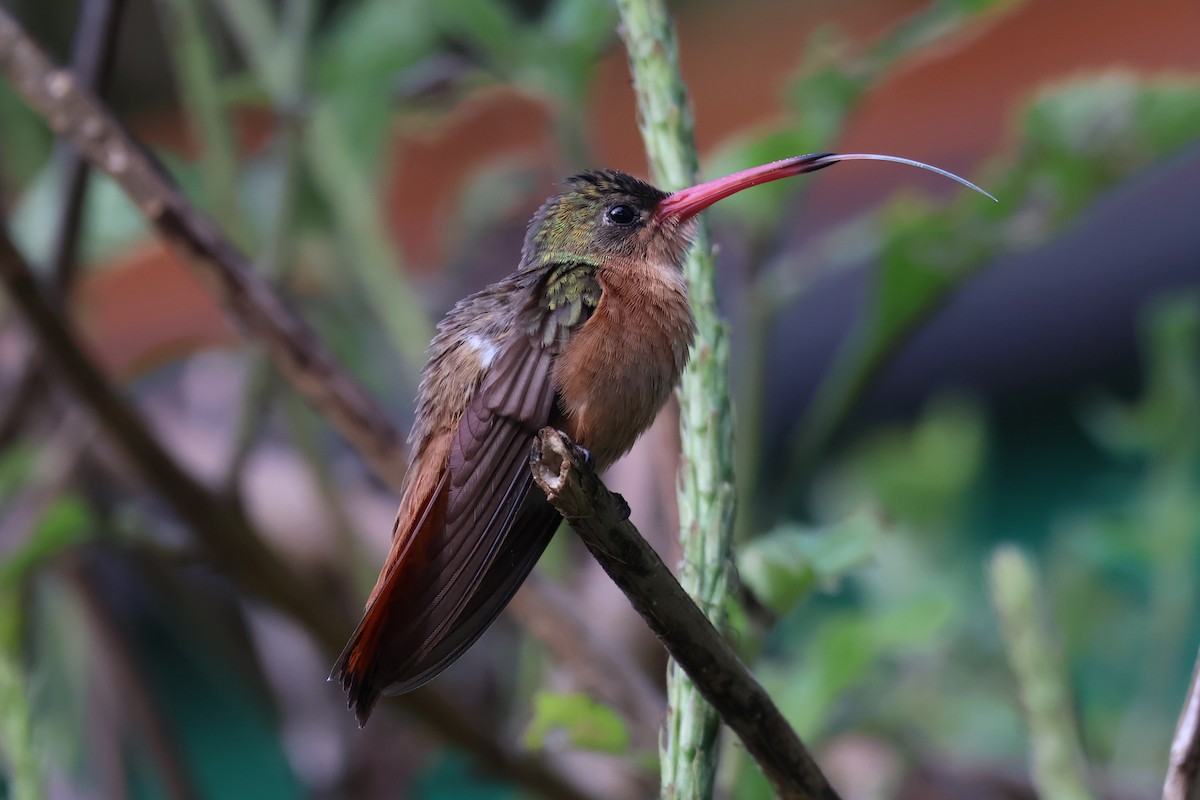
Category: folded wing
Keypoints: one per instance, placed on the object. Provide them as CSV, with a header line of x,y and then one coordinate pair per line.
x,y
471,540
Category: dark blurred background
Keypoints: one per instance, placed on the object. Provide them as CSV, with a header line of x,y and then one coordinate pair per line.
x,y
920,376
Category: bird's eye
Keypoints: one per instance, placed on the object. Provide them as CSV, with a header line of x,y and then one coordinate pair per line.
x,y
622,215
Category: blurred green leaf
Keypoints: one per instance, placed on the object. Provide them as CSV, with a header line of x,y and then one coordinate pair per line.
x,y
831,83
15,463
65,523
1167,113
588,725
1080,139
358,59
486,25
190,38
1164,420
846,649
1126,576
921,474
587,26
782,567
111,221
21,778
24,140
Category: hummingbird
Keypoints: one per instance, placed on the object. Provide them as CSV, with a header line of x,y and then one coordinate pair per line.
x,y
590,334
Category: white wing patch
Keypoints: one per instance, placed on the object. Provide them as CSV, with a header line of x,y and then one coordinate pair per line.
x,y
485,349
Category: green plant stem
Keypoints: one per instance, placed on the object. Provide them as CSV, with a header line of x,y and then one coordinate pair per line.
x,y
305,428
330,159
1058,765
706,489
283,69
16,732
329,156
196,73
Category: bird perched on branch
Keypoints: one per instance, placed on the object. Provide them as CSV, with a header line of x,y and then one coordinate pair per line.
x,y
590,335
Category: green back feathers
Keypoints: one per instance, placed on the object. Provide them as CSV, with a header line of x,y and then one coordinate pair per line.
x,y
571,295
571,236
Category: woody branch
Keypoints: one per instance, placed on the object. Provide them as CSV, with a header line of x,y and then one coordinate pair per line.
x,y
560,469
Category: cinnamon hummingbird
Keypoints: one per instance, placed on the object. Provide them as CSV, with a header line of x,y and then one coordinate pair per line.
x,y
590,335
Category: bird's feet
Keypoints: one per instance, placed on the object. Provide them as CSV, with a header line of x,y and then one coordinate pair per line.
x,y
588,459
622,504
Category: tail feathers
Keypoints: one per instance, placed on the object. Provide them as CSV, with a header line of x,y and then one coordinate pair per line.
x,y
357,667
373,659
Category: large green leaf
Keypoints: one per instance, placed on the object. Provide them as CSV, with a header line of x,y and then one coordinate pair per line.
x,y
782,567
588,725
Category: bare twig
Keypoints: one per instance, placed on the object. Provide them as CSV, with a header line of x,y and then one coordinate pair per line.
x,y
228,535
92,60
1183,771
74,113
573,488
220,525
18,394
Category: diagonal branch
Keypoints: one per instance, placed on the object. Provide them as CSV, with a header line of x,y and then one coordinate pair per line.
x,y
573,487
73,113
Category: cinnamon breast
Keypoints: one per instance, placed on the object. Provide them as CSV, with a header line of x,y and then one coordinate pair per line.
x,y
619,368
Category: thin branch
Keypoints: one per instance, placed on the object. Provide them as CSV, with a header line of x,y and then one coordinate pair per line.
x,y
231,539
92,58
73,113
572,486
1183,771
220,525
19,393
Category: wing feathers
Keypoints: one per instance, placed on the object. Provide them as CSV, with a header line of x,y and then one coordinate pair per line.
x,y
475,540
